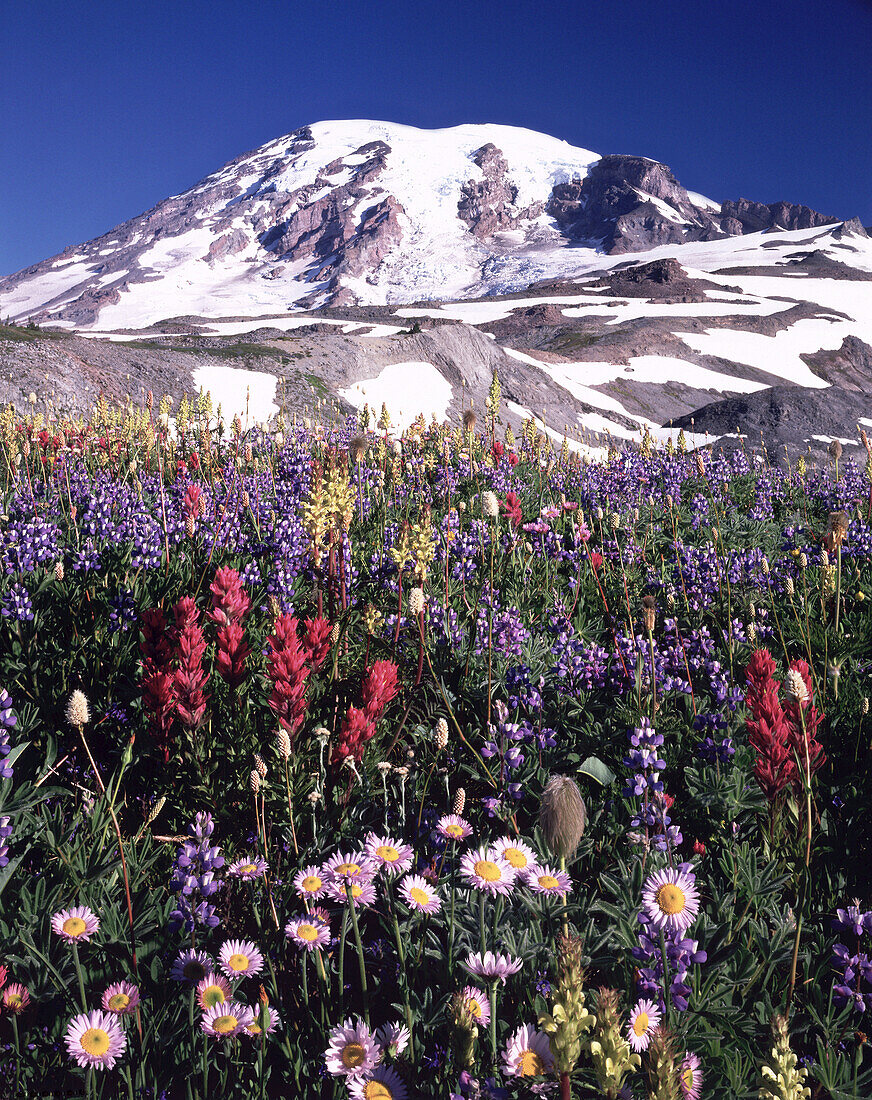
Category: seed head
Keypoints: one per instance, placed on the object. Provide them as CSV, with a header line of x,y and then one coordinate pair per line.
x,y
794,687
469,419
416,601
356,449
649,612
283,744
259,765
254,780
59,571
562,815
78,714
459,801
441,734
490,504
835,449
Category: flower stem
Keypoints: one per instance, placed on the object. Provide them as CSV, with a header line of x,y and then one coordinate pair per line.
x,y
80,976
354,926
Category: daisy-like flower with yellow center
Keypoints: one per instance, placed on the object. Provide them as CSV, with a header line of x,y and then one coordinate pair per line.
x,y
95,1039
213,990
227,1019
393,856
308,933
453,827
240,959
191,966
248,868
485,870
383,1084
121,998
76,925
492,967
309,883
350,867
644,1018
15,998
353,1051
477,1005
516,853
362,893
670,898
393,1038
543,879
527,1053
690,1077
417,892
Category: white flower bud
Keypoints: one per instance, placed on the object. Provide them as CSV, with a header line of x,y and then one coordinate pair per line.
x,y
416,601
794,687
441,734
490,505
77,709
283,744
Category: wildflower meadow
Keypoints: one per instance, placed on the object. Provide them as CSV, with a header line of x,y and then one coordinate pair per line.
x,y
341,762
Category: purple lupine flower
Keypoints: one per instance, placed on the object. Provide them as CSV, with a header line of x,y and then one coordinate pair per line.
x,y
194,877
5,833
8,720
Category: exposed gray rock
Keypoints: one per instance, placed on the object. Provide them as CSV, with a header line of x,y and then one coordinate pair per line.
x,y
489,205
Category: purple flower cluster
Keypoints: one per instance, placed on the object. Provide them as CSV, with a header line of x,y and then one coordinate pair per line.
x,y
507,631
681,953
17,604
194,877
645,764
5,833
8,720
853,985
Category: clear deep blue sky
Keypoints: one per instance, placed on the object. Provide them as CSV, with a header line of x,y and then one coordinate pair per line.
x,y
110,107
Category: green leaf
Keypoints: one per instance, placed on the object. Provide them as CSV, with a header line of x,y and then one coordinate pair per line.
x,y
596,769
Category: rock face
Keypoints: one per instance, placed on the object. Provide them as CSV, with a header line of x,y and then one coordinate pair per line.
x,y
744,216
664,280
630,204
490,205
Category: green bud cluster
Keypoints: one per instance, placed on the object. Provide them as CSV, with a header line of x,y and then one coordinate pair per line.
x,y
610,1052
781,1079
662,1068
569,1018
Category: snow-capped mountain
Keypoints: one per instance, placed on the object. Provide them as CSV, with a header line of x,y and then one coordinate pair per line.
x,y
374,213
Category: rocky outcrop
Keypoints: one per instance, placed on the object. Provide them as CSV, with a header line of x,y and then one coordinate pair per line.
x,y
664,280
849,366
629,204
744,216
489,205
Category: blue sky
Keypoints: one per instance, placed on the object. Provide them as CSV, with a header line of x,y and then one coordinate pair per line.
x,y
109,108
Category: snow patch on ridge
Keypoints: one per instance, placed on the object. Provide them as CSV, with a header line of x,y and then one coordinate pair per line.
x,y
408,390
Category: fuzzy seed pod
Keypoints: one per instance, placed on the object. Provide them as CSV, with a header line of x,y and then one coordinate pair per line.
x,y
795,690
459,801
441,734
837,529
469,419
835,449
283,744
649,612
77,712
59,571
490,505
356,449
700,464
562,816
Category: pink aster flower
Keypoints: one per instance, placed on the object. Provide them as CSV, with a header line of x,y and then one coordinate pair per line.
x,y
420,895
75,925
527,1053
95,1039
350,867
309,883
516,853
690,1077
392,855
543,879
644,1018
240,959
453,827
485,870
266,1020
363,893
492,967
191,966
121,998
670,898
248,868
308,933
477,1004
15,998
393,1038
353,1051
383,1082
213,990
226,1020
